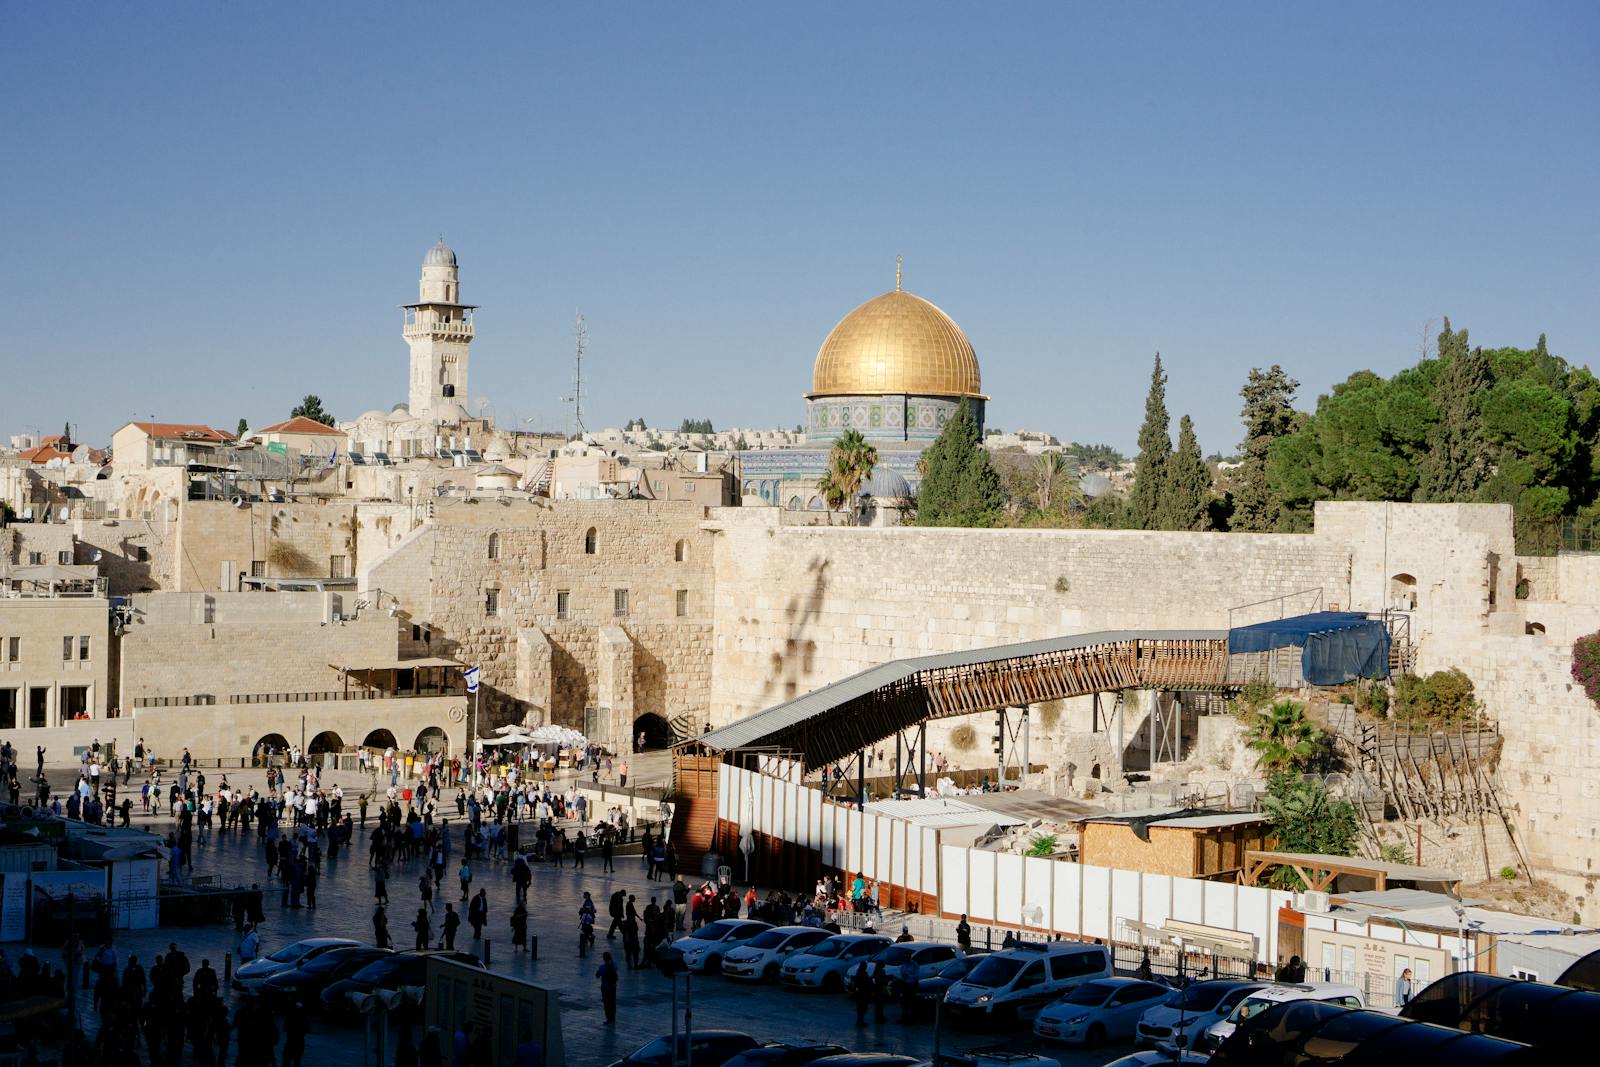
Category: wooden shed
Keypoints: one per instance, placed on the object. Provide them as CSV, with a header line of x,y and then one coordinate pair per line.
x,y
1182,843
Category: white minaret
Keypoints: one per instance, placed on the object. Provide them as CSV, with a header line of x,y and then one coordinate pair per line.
x,y
438,327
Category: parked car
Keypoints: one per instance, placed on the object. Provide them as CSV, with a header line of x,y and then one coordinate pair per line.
x,y
760,957
704,949
1280,993
710,1048
865,1059
937,980
783,1054
1158,1058
929,955
991,1057
1099,1011
1011,986
306,981
250,976
827,964
389,972
1182,1021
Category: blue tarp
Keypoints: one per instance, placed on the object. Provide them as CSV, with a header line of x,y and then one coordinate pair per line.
x,y
1339,645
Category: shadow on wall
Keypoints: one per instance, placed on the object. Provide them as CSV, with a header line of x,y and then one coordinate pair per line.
x,y
569,687
793,665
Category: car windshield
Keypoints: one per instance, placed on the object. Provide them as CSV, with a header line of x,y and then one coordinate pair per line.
x,y
290,953
377,969
1247,1007
1202,997
716,931
828,949
327,961
959,966
768,939
994,972
1090,993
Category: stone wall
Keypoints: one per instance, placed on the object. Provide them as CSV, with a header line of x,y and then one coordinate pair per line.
x,y
134,555
300,540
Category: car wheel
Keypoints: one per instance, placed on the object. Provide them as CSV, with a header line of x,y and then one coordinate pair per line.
x,y
770,974
1096,1036
832,983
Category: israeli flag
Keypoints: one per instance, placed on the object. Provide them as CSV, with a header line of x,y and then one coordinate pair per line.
x,y
471,675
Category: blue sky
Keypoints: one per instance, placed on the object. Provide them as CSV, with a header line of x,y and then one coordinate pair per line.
x,y
212,210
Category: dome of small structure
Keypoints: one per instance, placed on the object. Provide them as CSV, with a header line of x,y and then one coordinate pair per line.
x,y
373,414
440,255
399,413
886,484
896,343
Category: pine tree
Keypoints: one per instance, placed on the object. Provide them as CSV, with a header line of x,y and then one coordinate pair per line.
x,y
1186,505
1155,456
244,428
311,408
1268,414
960,487
1459,457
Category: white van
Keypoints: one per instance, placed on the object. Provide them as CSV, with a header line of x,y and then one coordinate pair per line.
x,y
1010,986
1347,996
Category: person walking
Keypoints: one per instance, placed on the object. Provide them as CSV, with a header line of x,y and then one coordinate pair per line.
x,y
880,991
423,928
861,992
910,979
618,899
607,850
465,875
608,975
964,934
1403,989
425,887
452,923
478,914
380,927
519,929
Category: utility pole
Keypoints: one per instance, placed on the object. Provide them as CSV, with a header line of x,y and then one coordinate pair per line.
x,y
580,334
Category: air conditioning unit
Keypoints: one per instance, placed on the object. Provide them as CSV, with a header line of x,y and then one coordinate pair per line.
x,y
338,617
1312,900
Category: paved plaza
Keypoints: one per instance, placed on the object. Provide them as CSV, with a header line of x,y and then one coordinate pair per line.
x,y
345,906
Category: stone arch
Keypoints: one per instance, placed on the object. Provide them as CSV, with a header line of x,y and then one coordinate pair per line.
x,y
1534,629
326,741
680,551
657,732
1403,592
589,541
432,739
380,738
795,503
494,546
268,745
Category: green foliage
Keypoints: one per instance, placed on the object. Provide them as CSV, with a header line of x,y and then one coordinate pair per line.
x,y
1268,414
850,464
1442,698
1042,845
695,426
1108,511
1305,818
1252,699
1375,700
1155,456
1508,873
242,429
1284,738
1394,852
960,486
311,408
1457,462
1104,457
1586,664
1185,503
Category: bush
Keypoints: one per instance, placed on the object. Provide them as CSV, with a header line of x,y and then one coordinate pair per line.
x,y
963,738
1508,873
1376,701
1252,698
1586,664
1050,714
1284,738
1442,698
1306,819
1042,845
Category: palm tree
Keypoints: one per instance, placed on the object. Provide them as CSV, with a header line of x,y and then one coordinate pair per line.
x,y
1284,739
850,464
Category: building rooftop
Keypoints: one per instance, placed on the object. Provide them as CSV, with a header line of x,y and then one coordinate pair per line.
x,y
301,424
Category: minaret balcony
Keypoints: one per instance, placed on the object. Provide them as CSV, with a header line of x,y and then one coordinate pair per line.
x,y
454,331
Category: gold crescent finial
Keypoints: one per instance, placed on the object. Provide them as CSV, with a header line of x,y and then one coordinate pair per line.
x,y
899,263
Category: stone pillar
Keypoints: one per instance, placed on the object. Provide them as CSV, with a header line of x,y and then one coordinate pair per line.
x,y
535,679
614,686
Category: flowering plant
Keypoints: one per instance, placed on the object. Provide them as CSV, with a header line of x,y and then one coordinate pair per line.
x,y
1586,664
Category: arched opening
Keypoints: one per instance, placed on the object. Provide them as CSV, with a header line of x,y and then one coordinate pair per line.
x,y
589,542
267,747
651,731
433,741
1403,592
1534,629
449,390
326,741
380,739
794,503
680,551
494,546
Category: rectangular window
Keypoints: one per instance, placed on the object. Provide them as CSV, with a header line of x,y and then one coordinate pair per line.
x,y
8,709
13,649
416,632
338,566
141,554
64,558
83,647
491,602
683,603
66,648
619,602
36,558
74,702
258,568
563,604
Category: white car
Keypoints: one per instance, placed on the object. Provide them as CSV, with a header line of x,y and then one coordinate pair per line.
x,y
1157,1058
704,949
759,958
1098,1011
829,963
1347,996
1182,1022
249,977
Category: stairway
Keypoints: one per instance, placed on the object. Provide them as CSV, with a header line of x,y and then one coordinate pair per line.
x,y
539,484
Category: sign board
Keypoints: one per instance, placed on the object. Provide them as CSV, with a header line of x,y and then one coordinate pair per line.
x,y
13,906
135,893
507,1013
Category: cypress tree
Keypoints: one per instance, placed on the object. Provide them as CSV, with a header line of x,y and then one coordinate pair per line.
x,y
1155,457
1268,414
1187,502
1459,457
960,487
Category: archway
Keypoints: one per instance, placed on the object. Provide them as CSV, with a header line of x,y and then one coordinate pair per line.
x,y
432,740
589,541
326,741
1534,629
680,552
1403,592
380,739
267,747
655,730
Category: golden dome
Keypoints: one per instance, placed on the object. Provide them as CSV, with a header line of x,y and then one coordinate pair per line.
x,y
896,343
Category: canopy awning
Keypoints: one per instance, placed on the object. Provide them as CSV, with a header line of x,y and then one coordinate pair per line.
x,y
1339,645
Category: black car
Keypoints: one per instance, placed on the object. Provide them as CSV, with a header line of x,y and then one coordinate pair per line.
x,y
865,1059
306,982
935,980
389,972
783,1054
710,1048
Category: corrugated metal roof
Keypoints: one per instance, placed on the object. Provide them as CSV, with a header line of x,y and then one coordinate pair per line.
x,y
779,717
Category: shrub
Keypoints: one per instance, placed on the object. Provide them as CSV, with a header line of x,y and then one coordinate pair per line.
x,y
963,738
1252,698
1376,701
1442,698
1042,845
1284,739
1508,873
1586,664
1394,852
1306,819
1062,585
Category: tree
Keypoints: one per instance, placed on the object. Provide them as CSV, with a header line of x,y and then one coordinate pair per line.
x,y
696,426
311,408
850,464
1305,818
1186,503
1155,456
243,428
960,486
1268,414
1458,460
1284,738
1052,477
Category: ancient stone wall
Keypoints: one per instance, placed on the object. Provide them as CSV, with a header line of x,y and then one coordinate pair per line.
x,y
300,540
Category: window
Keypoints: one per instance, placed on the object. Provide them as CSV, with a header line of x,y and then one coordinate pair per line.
x,y
74,702
64,558
13,649
416,632
36,558
83,647
680,551
8,709
1032,976
491,602
563,604
494,546
141,554
66,647
338,566
588,542
683,603
258,568
619,602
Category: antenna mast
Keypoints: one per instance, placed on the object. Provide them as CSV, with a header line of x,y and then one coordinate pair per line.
x,y
580,334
